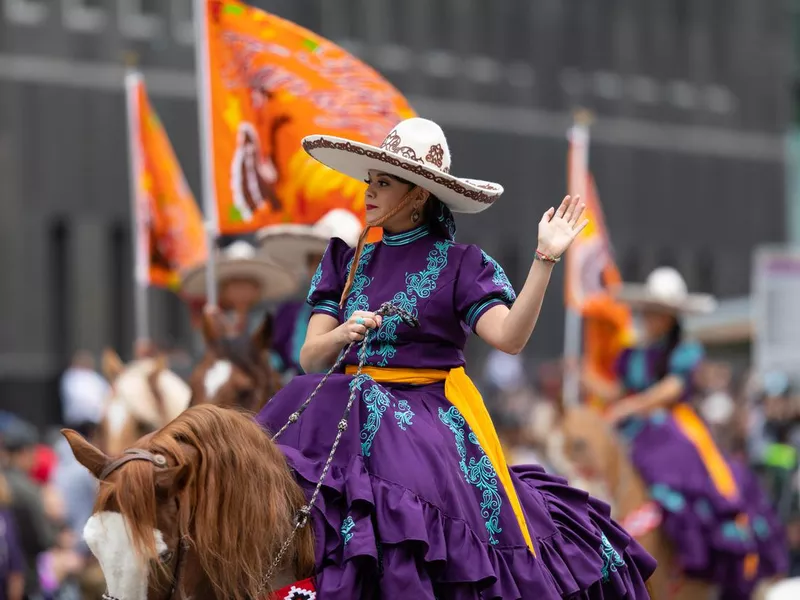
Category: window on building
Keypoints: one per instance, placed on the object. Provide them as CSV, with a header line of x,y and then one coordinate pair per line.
x,y
83,15
25,12
140,19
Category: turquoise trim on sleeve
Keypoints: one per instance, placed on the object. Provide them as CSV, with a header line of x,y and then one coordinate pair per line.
x,y
327,306
476,311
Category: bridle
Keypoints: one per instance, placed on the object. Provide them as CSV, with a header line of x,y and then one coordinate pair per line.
x,y
159,461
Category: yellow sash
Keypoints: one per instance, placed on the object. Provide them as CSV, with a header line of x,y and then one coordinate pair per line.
x,y
462,393
721,475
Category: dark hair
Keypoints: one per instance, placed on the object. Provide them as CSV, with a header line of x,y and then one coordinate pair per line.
x,y
435,213
674,336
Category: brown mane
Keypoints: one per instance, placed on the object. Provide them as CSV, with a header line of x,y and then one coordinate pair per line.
x,y
236,503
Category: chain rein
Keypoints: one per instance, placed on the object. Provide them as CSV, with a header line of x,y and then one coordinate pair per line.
x,y
301,519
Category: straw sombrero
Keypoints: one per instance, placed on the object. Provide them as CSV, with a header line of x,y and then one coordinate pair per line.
x,y
665,289
416,151
290,244
240,260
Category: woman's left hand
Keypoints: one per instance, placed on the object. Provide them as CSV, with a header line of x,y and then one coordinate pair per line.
x,y
559,227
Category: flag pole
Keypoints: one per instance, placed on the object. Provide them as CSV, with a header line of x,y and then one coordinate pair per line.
x,y
578,171
209,200
139,209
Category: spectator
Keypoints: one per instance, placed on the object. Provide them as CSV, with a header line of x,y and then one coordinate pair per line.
x,y
12,563
27,504
83,391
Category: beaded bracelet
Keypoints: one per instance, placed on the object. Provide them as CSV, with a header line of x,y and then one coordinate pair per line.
x,y
546,257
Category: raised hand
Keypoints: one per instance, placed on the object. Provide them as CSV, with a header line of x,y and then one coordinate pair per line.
x,y
559,227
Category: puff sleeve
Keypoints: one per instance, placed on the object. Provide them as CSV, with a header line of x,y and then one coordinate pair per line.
x,y
328,281
685,359
481,284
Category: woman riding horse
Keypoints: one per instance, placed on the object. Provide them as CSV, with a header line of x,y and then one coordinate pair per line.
x,y
419,501
714,513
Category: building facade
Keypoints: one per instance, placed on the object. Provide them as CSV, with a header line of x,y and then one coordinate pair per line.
x,y
692,101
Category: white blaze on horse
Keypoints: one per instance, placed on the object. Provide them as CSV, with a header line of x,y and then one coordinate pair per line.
x,y
145,396
199,509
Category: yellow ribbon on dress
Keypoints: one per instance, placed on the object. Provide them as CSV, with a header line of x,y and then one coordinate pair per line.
x,y
692,426
461,393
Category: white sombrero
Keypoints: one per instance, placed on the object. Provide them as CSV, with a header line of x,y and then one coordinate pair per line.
x,y
416,150
290,244
665,289
240,260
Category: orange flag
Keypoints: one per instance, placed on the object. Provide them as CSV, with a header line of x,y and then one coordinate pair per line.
x,y
169,225
271,83
591,271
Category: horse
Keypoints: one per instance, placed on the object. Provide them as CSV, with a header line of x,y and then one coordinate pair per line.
x,y
592,448
198,509
236,368
145,396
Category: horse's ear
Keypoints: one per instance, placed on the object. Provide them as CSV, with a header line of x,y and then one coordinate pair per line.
x,y
112,364
213,331
85,453
262,338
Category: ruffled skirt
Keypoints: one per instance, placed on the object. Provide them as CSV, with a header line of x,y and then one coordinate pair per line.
x,y
412,507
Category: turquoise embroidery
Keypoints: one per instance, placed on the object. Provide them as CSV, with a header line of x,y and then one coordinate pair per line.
x,y
659,417
445,217
499,279
761,527
685,358
401,239
418,285
670,499
703,509
376,400
636,375
403,414
479,473
358,300
733,531
347,529
611,558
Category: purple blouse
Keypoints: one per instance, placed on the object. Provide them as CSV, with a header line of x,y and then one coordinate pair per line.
x,y
11,557
447,286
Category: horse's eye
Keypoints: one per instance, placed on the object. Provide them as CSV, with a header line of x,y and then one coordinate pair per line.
x,y
165,556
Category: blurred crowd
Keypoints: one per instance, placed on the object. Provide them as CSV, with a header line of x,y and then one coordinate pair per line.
x,y
753,418
46,497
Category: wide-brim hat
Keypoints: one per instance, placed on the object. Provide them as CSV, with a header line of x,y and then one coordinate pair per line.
x,y
666,290
291,244
240,260
415,150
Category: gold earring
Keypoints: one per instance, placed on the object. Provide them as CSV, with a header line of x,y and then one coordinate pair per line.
x,y
415,216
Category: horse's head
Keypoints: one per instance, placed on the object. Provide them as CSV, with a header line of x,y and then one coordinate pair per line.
x,y
236,369
197,509
145,395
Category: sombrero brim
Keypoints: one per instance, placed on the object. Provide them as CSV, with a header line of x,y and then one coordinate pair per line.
x,y
356,160
291,244
276,281
637,295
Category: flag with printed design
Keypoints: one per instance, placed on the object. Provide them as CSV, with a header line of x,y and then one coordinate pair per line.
x,y
169,225
271,83
591,272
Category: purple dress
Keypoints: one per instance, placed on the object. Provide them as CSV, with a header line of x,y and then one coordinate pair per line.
x,y
412,507
706,526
